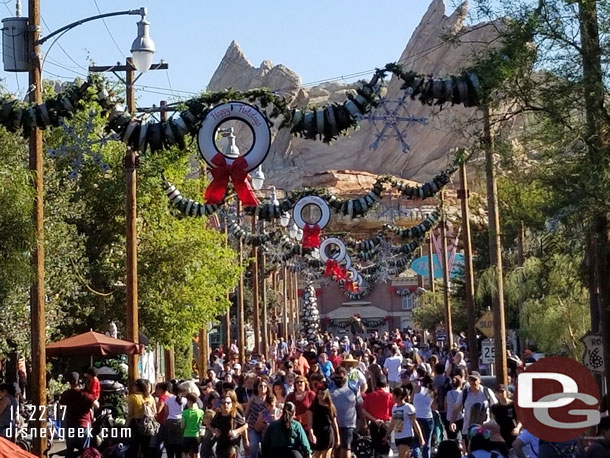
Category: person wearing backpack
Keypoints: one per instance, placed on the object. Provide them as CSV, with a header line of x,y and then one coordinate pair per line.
x,y
141,413
475,403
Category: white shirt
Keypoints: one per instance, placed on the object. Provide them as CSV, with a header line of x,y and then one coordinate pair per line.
x,y
356,379
393,365
422,402
401,415
174,410
451,398
472,399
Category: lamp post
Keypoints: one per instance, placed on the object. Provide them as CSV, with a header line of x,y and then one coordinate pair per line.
x,y
26,56
142,62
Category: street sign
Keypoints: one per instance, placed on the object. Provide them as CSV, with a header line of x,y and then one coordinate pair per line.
x,y
441,336
593,357
486,324
488,352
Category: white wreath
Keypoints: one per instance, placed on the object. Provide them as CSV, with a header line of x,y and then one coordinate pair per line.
x,y
297,211
333,241
249,114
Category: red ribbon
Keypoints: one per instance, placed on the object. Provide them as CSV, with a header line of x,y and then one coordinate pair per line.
x,y
311,236
352,287
333,270
220,180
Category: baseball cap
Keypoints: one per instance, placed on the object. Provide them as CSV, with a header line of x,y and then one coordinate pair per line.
x,y
474,374
237,366
73,377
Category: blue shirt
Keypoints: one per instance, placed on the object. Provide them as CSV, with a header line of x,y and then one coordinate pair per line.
x,y
326,368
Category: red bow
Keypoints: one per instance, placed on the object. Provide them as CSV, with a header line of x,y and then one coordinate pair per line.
x,y
220,180
352,287
311,236
333,270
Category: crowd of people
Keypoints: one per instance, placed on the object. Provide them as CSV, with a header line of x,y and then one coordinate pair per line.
x,y
338,397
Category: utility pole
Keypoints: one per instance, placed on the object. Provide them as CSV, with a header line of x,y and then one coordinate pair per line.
x,y
297,315
285,291
446,298
37,292
170,356
227,318
204,352
241,321
420,278
265,327
431,263
131,212
255,292
464,195
495,250
594,96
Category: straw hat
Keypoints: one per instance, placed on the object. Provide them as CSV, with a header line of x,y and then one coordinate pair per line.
x,y
350,360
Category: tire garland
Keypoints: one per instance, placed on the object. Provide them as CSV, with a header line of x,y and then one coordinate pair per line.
x,y
18,116
188,207
415,231
325,123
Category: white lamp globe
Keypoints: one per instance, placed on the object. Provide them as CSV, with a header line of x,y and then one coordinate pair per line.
x,y
293,230
143,48
285,219
258,179
299,236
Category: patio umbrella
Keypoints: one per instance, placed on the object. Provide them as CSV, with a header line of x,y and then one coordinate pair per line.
x,y
93,344
10,450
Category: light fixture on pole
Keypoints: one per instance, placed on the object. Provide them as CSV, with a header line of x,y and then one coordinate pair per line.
x,y
315,253
258,179
273,197
299,235
143,48
285,219
293,230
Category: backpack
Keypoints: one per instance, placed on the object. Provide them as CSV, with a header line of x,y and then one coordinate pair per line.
x,y
91,452
148,424
482,411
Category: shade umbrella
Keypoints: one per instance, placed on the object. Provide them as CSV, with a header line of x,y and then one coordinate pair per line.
x,y
10,450
93,344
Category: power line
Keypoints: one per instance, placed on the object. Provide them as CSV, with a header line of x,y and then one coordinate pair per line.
x,y
61,47
108,30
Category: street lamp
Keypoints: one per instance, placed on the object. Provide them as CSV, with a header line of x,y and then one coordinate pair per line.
x,y
258,179
293,230
285,219
299,235
21,48
143,48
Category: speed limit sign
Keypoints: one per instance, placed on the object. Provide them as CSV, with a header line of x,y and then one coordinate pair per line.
x,y
488,352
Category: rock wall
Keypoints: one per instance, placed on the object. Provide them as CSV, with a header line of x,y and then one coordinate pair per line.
x,y
427,52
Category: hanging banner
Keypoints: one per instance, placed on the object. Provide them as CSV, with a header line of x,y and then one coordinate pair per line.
x,y
420,266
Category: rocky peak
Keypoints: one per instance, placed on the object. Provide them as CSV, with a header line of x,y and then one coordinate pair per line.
x,y
427,52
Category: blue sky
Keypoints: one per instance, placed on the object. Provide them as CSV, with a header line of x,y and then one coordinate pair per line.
x,y
317,39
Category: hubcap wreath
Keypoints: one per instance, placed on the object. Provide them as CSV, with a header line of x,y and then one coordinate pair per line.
x,y
311,232
236,169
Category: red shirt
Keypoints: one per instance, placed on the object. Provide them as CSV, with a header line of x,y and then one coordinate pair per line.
x,y
379,404
302,406
78,408
302,365
335,360
94,388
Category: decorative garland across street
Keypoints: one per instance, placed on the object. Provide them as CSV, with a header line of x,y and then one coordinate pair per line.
x,y
356,207
415,231
16,115
325,123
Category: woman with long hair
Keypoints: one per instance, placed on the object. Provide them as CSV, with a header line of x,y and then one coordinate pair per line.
x,y
403,423
324,431
301,397
175,404
423,400
286,437
256,405
279,391
229,426
138,404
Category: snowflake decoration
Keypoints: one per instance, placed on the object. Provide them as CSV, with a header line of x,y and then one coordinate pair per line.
x,y
391,120
88,143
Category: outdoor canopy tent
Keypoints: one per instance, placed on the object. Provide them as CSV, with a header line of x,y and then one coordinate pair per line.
x,y
93,344
10,450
